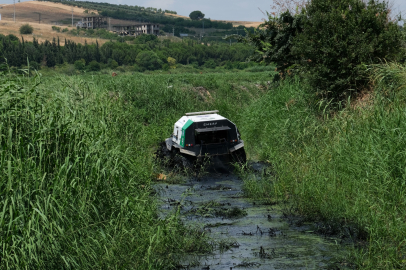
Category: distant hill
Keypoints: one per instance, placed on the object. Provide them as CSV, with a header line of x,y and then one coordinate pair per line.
x,y
50,14
152,15
46,13
43,14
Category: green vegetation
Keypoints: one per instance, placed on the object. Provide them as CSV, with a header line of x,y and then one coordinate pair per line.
x,y
80,64
146,53
26,29
148,60
345,168
339,164
330,43
76,162
100,132
196,15
94,66
76,152
56,28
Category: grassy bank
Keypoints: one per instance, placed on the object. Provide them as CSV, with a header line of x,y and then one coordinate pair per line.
x,y
346,167
76,163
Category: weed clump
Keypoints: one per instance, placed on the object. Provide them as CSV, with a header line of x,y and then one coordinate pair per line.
x,y
26,29
231,213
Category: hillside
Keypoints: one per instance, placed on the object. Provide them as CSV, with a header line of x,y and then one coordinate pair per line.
x,y
57,13
42,15
44,32
51,13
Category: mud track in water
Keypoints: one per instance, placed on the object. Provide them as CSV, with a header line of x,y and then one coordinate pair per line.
x,y
247,235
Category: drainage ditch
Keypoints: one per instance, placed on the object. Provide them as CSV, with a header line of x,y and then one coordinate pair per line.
x,y
248,235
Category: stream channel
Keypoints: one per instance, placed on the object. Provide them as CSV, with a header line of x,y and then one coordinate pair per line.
x,y
257,236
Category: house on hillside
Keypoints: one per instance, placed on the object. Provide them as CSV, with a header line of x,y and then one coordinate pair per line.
x,y
124,29
93,22
151,29
136,30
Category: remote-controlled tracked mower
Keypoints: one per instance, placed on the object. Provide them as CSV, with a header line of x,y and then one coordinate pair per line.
x,y
205,134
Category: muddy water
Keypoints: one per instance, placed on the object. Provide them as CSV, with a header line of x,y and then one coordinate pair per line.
x,y
249,236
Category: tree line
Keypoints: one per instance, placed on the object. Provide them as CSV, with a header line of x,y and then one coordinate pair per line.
x,y
148,53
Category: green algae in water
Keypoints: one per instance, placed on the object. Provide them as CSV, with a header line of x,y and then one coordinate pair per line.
x,y
247,235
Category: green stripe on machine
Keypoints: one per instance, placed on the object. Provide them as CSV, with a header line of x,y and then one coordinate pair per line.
x,y
185,126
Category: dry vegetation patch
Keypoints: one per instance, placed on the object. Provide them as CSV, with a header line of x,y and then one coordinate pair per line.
x,y
243,23
57,14
235,23
43,32
203,93
51,14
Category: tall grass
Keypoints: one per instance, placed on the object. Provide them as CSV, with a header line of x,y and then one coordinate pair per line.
x,y
76,163
347,168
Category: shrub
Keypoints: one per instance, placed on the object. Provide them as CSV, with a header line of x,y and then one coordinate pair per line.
x,y
165,67
241,65
148,60
339,38
228,65
137,68
94,66
80,64
210,64
56,28
26,29
330,42
65,30
143,38
13,38
69,70
171,62
121,69
74,32
113,64
274,41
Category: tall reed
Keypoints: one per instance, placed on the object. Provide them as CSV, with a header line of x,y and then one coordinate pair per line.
x,y
346,167
76,164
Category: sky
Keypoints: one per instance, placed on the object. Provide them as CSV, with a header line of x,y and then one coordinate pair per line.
x,y
237,10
